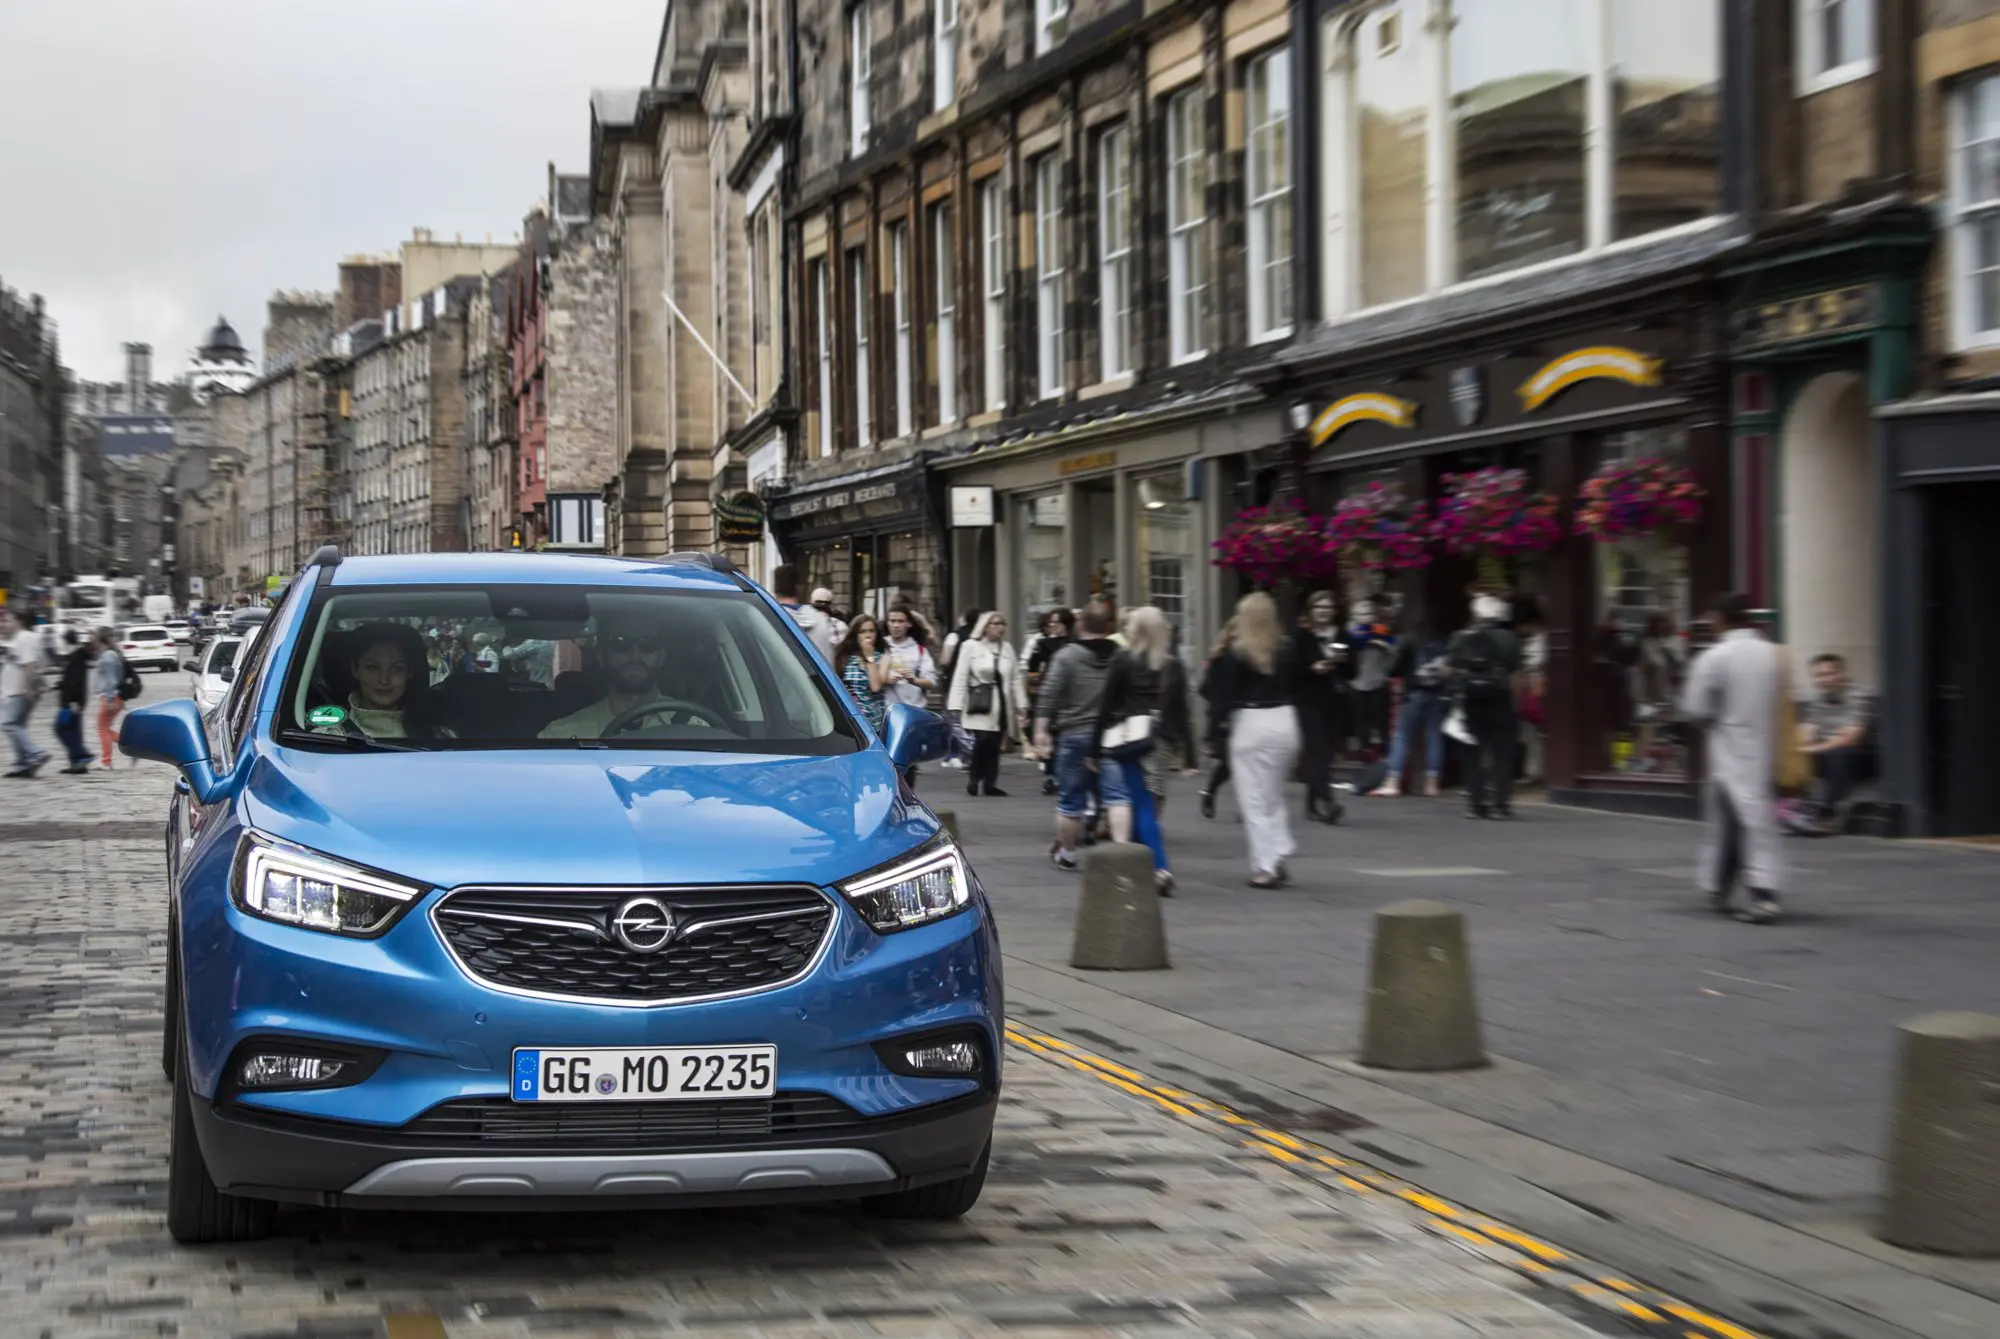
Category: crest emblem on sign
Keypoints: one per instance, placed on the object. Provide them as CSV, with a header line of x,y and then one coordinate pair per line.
x,y
1468,395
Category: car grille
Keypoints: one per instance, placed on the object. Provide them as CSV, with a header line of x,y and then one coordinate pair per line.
x,y
561,941
574,1127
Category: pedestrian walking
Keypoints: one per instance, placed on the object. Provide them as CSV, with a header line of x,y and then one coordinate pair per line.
x,y
1131,716
1733,692
987,694
108,682
863,669
820,627
1323,650
910,673
1256,683
960,754
1066,724
1423,666
1218,723
72,697
1484,658
20,687
1058,629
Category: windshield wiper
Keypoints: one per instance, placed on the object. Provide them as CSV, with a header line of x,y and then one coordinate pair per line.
x,y
291,734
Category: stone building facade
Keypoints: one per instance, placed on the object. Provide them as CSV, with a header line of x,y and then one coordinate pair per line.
x,y
659,177
493,515
32,543
1023,272
412,431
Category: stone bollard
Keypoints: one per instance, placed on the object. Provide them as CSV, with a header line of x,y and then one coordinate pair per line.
x,y
1420,1013
1118,923
949,819
1944,1154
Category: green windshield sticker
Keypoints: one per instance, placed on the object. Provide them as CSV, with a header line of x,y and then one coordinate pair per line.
x,y
326,716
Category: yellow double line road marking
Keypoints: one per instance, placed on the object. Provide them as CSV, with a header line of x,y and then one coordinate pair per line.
x,y
1532,1256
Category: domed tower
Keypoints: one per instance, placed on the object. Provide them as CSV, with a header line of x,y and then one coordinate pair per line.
x,y
221,363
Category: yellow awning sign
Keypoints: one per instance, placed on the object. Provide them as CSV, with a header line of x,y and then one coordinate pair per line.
x,y
1364,406
1602,362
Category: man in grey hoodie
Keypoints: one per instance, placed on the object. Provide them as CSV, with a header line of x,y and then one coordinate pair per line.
x,y
1066,716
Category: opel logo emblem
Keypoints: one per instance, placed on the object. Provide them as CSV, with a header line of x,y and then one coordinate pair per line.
x,y
643,924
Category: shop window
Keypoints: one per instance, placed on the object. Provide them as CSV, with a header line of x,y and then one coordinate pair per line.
x,y
1168,549
1187,218
1268,86
1604,129
1639,645
1975,212
1038,547
1836,42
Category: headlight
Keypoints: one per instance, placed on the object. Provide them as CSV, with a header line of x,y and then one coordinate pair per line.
x,y
297,887
927,885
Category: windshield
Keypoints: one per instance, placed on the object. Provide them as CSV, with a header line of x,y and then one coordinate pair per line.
x,y
557,667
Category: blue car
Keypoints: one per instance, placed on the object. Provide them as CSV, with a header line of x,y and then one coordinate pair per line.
x,y
532,881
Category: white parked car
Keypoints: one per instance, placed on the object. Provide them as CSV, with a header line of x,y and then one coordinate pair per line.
x,y
216,670
179,629
149,646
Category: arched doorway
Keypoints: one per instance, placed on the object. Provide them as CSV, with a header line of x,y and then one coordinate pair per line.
x,y
1828,527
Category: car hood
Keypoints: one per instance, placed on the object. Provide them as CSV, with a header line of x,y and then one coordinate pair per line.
x,y
589,817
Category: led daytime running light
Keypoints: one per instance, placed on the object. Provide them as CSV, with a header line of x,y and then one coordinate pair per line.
x,y
932,884
296,887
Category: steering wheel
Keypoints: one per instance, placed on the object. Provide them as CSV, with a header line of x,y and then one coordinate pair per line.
x,y
625,720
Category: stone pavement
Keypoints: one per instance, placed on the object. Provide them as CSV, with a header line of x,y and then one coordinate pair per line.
x,y
1106,1212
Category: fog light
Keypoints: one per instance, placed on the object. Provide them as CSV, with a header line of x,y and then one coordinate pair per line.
x,y
277,1070
947,1057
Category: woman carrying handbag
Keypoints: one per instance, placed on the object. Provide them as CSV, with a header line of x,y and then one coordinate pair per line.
x,y
1135,699
987,694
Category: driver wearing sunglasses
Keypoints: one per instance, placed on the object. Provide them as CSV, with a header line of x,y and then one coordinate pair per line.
x,y
630,653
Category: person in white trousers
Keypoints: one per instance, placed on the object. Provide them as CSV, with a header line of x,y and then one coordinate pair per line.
x,y
1732,692
1255,686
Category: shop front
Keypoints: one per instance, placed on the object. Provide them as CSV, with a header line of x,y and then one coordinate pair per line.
x,y
1553,415
1118,513
1939,713
872,539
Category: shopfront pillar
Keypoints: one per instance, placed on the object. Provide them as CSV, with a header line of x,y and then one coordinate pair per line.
x,y
1568,615
1131,589
1075,545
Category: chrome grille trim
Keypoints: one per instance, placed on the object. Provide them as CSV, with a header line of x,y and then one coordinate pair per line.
x,y
694,925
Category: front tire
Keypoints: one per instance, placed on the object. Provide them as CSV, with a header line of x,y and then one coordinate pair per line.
x,y
196,1211
938,1203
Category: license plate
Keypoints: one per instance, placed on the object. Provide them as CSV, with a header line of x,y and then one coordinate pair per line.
x,y
650,1074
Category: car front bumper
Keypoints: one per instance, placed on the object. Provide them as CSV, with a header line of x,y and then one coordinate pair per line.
x,y
332,1164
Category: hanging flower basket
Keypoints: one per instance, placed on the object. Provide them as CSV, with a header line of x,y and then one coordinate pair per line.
x,y
1631,499
1271,545
1380,531
1489,514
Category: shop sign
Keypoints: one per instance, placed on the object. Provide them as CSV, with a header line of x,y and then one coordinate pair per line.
x,y
971,506
863,504
1096,460
1837,311
739,519
1362,407
1601,362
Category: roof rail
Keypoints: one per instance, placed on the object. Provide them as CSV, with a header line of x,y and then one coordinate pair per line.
x,y
325,558
715,562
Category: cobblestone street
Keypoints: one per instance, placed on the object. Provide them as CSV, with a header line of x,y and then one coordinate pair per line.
x,y
1106,1212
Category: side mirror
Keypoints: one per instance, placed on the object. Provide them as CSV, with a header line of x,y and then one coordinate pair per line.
x,y
191,666
915,735
228,672
172,733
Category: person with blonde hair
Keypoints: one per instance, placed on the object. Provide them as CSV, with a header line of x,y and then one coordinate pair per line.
x,y
1138,698
1254,685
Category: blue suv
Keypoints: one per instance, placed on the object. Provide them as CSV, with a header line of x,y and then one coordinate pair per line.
x,y
508,881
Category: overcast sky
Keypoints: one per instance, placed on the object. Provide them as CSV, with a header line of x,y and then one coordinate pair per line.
x,y
166,161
